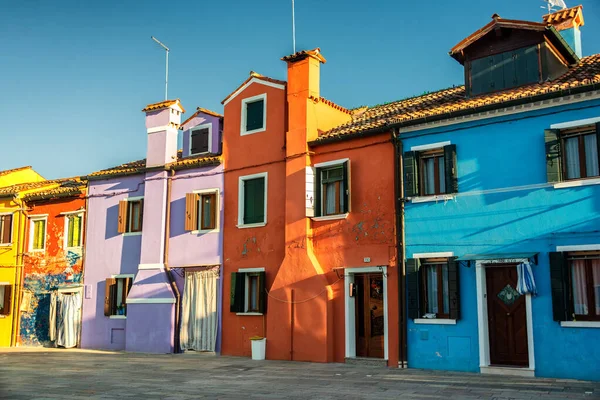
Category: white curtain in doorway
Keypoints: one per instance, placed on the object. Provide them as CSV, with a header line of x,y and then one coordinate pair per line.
x,y
65,316
199,311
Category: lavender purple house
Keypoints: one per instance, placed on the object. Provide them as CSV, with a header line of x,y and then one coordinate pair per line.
x,y
154,241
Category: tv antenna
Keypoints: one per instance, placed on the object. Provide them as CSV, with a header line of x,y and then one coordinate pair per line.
x,y
167,67
293,27
554,5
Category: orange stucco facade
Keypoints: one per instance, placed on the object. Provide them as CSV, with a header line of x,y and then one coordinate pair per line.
x,y
305,259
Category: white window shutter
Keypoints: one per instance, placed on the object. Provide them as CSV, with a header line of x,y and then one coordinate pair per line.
x,y
310,192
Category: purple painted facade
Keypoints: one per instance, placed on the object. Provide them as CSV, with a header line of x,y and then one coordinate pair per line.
x,y
150,322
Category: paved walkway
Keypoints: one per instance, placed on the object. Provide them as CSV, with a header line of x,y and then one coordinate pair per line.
x,y
76,374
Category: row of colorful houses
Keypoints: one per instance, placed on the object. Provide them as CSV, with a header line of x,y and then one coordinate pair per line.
x,y
457,230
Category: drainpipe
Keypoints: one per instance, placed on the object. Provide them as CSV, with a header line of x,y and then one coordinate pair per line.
x,y
168,271
400,238
19,275
83,251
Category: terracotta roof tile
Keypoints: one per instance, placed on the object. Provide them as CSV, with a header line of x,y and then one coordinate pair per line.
x,y
203,111
138,167
162,104
21,187
301,55
10,171
329,103
66,189
557,17
443,103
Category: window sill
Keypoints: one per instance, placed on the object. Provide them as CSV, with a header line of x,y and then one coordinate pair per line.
x,y
78,248
434,321
6,244
330,217
37,251
577,182
258,225
118,317
249,313
436,198
580,324
202,231
132,233
244,133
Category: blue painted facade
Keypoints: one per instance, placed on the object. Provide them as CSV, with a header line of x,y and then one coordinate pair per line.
x,y
504,205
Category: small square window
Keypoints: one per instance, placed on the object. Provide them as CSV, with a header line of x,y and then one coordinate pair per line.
x,y
135,212
5,298
74,230
252,207
200,139
254,115
332,188
432,172
585,287
6,229
580,153
435,294
117,290
208,211
248,294
38,234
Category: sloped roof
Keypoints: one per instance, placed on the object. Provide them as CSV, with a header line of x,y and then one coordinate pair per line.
x,y
67,188
557,17
10,171
163,104
139,166
453,101
203,111
253,75
330,104
65,183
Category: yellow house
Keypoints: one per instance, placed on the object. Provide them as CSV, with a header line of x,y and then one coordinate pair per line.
x,y
13,185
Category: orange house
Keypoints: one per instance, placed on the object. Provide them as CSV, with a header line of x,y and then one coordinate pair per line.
x,y
310,253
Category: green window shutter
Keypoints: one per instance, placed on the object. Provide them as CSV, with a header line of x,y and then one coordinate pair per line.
x,y
254,115
237,292
262,295
559,283
453,289
598,138
346,194
411,175
254,201
451,169
412,287
553,155
71,226
318,194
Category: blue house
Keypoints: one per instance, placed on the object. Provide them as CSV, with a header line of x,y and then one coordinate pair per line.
x,y
502,207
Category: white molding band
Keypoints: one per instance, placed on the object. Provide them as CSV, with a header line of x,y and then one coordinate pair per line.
x,y
577,183
118,317
151,266
331,163
580,324
580,247
434,321
331,217
164,128
431,146
72,212
123,276
440,254
573,124
251,270
250,82
158,300
436,198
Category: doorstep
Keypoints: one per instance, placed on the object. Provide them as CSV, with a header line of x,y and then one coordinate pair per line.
x,y
366,361
511,371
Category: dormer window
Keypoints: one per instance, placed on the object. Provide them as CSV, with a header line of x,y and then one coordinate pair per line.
x,y
254,114
200,139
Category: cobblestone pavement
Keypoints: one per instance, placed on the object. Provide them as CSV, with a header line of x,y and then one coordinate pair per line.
x,y
78,374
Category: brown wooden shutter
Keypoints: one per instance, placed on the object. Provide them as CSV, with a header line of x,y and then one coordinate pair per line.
x,y
412,287
451,169
122,224
411,176
453,289
559,278
191,212
7,299
6,229
262,294
110,285
553,155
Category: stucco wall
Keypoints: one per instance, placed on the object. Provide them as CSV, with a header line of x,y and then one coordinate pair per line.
x,y
505,206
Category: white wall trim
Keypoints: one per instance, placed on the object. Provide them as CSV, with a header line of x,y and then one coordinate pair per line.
x,y
134,198
331,217
574,124
440,254
158,300
250,82
580,324
117,276
434,321
350,307
72,212
66,230
151,266
198,128
241,181
163,128
243,131
431,146
32,220
331,163
577,183
244,270
118,317
132,233
580,247
436,198
248,313
482,325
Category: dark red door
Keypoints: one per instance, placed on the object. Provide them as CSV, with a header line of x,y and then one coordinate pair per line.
x,y
507,318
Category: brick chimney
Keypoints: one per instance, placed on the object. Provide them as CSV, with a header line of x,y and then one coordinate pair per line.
x,y
568,22
162,124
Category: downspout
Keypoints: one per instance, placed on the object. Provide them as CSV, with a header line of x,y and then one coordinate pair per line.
x,y
168,271
400,248
83,251
19,275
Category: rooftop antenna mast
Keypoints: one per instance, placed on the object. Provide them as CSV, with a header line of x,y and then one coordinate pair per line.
x,y
167,67
551,5
293,27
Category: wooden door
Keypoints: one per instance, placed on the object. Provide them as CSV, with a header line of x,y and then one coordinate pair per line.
x,y
507,318
369,315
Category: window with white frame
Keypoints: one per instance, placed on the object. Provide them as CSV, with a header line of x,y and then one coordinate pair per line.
x,y
131,215
252,200
254,114
430,170
332,188
73,230
115,298
37,233
200,139
5,229
247,293
202,210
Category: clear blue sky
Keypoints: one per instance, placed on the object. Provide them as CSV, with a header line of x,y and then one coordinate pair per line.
x,y
75,74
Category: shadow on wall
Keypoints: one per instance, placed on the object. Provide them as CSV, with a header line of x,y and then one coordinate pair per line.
x,y
177,218
112,222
